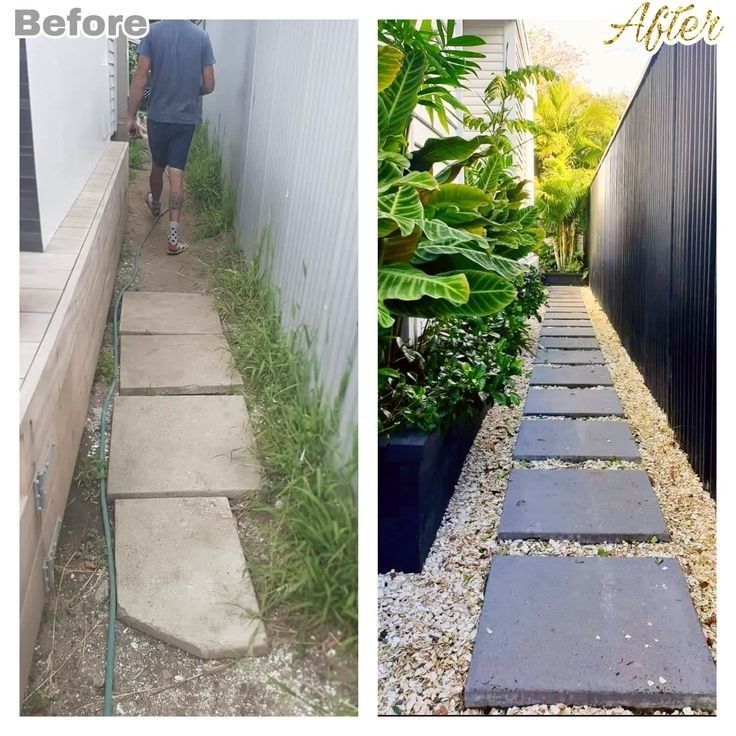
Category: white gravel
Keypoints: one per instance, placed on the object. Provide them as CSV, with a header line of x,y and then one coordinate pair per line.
x,y
427,621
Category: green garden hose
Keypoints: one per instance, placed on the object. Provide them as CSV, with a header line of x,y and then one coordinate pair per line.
x,y
112,596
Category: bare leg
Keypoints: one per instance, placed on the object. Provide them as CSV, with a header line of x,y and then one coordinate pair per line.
x,y
176,194
156,181
176,202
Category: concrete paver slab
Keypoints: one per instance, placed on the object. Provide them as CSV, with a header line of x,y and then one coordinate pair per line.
x,y
168,313
562,322
587,506
552,314
589,631
181,446
571,375
569,343
570,357
572,402
182,576
177,364
575,440
567,331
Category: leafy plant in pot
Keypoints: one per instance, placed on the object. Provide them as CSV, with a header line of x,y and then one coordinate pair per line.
x,y
446,251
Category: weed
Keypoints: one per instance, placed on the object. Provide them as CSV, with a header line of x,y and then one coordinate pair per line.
x,y
90,472
312,565
137,154
308,493
214,197
106,365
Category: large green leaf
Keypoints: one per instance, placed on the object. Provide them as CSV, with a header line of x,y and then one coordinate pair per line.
x,y
489,293
439,232
398,100
416,179
462,196
462,255
399,209
402,282
389,65
452,148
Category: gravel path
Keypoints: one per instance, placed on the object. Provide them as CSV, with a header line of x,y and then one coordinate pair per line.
x,y
427,621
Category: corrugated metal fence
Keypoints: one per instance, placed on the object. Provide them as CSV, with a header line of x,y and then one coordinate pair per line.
x,y
652,242
285,110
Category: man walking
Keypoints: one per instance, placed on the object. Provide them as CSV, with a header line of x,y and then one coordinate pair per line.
x,y
178,54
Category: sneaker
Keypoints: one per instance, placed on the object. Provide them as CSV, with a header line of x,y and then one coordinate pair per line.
x,y
155,207
174,250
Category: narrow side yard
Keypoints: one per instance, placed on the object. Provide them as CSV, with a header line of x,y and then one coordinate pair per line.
x,y
312,665
427,622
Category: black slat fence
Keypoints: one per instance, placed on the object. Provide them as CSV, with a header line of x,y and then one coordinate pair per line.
x,y
651,242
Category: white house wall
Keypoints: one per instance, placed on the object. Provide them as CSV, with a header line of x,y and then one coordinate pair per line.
x,y
69,92
286,114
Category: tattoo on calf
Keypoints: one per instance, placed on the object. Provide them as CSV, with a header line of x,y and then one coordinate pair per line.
x,y
175,201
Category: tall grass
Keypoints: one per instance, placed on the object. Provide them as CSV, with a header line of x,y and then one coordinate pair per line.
x,y
312,565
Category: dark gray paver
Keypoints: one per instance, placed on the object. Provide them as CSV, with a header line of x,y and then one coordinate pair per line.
x,y
569,343
575,439
568,308
550,314
570,357
588,506
562,322
567,331
572,402
571,375
589,631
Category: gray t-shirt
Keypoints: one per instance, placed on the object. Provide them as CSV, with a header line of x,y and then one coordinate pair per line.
x,y
178,50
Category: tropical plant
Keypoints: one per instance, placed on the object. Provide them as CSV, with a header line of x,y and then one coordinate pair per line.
x,y
444,248
458,365
573,130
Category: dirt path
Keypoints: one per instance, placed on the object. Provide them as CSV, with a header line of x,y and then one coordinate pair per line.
x,y
153,678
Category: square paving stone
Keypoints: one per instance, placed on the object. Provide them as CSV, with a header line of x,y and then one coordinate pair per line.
x,y
572,402
181,446
570,357
568,308
562,322
168,313
575,440
567,331
182,576
551,314
571,375
177,364
589,631
569,343
588,506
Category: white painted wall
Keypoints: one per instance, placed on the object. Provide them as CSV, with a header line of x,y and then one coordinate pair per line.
x,y
285,109
70,112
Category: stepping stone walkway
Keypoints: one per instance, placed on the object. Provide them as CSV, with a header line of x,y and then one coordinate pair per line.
x,y
597,631
180,446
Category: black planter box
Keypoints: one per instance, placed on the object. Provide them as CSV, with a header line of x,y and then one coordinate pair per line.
x,y
417,473
560,278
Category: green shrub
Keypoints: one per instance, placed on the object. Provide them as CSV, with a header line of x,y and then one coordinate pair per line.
x,y
458,365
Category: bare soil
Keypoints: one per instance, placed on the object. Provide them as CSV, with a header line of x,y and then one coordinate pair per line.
x,y
310,674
